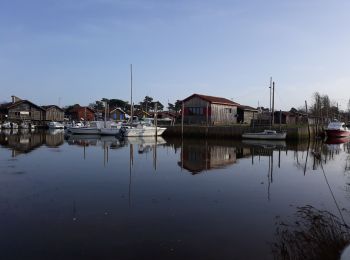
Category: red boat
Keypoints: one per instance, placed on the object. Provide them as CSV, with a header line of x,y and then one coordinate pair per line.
x,y
338,140
337,129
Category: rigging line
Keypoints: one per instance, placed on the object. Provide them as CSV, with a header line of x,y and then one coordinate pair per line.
x,y
330,189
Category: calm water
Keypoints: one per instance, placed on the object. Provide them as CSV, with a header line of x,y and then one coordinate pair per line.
x,y
90,198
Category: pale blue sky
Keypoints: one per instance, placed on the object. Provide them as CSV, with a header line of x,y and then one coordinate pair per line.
x,y
81,50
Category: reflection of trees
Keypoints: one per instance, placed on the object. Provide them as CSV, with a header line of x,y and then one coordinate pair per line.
x,y
315,234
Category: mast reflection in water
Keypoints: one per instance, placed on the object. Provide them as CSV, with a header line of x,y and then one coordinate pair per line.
x,y
93,197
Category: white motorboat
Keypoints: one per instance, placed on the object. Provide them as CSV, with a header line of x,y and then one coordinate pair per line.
x,y
68,126
145,127
143,130
111,128
336,129
93,128
266,135
55,125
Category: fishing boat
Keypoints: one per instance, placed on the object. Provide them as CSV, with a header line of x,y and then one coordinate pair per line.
x,y
55,125
337,129
266,135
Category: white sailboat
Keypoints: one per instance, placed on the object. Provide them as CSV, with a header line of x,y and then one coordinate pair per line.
x,y
145,128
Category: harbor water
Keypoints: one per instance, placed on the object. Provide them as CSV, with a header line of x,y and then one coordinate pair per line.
x,y
92,197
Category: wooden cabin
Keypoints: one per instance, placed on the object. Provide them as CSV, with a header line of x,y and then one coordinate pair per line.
x,y
245,114
118,114
53,113
289,118
201,109
78,113
21,110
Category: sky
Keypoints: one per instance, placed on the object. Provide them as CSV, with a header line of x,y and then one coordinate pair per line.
x,y
65,52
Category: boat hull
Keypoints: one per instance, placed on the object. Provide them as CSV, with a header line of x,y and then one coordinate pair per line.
x,y
149,131
55,125
337,133
337,140
109,131
84,130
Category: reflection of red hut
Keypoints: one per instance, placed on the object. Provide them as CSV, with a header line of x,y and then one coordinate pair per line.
x,y
198,158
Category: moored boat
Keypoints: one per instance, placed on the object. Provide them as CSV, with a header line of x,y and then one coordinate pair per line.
x,y
111,129
337,129
93,127
144,130
266,135
55,125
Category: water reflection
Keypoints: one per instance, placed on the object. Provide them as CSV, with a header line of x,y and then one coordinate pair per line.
x,y
136,196
25,140
205,155
198,156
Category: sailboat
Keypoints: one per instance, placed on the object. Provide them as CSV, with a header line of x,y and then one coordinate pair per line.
x,y
143,128
267,134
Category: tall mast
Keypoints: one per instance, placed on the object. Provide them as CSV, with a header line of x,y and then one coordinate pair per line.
x,y
270,87
273,102
270,93
131,104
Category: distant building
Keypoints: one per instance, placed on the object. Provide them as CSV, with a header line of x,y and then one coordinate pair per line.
x,y
118,114
78,113
53,113
201,109
245,114
284,117
21,110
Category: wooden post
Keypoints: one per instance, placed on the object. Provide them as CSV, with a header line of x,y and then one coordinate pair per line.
x,y
155,117
280,119
307,117
207,119
182,119
105,113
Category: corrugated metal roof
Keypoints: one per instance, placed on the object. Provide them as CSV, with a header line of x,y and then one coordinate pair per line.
x,y
10,104
49,106
212,99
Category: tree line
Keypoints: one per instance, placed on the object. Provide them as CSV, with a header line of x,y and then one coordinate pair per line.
x,y
325,109
147,104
